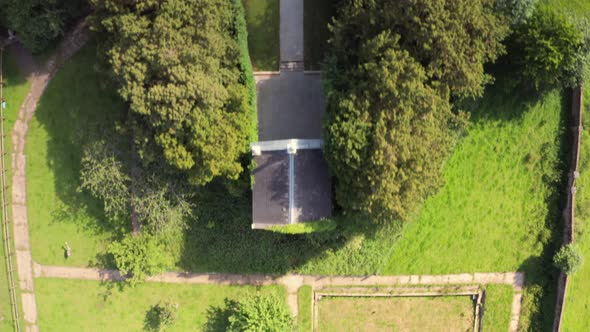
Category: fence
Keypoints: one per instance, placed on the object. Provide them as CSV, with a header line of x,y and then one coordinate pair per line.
x,y
569,211
5,221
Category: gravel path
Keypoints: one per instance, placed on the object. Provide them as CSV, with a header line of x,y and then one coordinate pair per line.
x,y
39,76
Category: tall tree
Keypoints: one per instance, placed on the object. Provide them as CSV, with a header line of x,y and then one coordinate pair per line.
x,y
177,65
388,133
392,70
39,22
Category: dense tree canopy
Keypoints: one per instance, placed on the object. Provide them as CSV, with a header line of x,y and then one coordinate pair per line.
x,y
177,65
39,22
392,71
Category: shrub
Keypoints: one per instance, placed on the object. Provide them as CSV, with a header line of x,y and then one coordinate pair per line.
x,y
568,259
138,257
550,51
517,11
252,314
161,316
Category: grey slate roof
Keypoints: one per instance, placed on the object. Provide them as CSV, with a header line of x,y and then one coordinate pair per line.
x,y
312,199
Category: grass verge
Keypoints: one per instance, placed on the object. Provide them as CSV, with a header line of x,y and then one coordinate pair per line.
x,y
576,315
15,90
497,308
305,309
262,18
105,307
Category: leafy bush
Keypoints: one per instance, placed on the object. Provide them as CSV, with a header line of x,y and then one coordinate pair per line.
x,y
516,10
161,316
568,259
550,50
138,257
260,313
39,22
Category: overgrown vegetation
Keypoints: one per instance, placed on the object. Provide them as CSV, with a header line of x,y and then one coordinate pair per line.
x,y
549,50
138,257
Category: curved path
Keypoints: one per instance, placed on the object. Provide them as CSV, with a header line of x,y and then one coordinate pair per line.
x,y
39,77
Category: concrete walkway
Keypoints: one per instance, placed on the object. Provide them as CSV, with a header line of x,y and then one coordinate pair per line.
x,y
292,282
291,31
39,77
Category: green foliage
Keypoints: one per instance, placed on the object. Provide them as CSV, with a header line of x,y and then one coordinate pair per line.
x,y
138,257
324,225
388,134
104,177
392,70
161,316
158,200
39,22
549,50
517,11
259,313
568,259
179,66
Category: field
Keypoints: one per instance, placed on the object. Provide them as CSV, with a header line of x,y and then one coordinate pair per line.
x,y
452,313
262,17
14,93
105,307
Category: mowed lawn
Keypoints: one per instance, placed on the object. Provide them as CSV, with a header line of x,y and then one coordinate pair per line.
x,y
262,18
15,90
72,111
449,313
81,305
577,306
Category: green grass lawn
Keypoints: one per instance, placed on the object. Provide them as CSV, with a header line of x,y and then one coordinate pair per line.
x,y
447,313
499,207
305,309
577,306
317,15
262,17
497,308
72,110
77,305
14,93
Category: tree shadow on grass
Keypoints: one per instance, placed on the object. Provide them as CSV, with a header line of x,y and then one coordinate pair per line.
x,y
74,110
262,17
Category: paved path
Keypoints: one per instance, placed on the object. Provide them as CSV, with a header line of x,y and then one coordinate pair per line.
x,y
292,282
39,77
291,31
